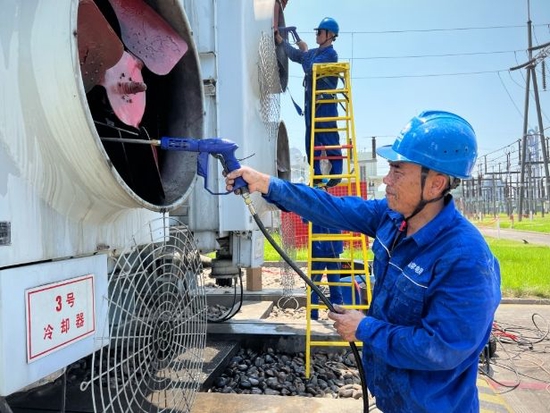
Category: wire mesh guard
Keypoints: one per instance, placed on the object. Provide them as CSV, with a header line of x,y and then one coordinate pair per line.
x,y
270,85
288,244
153,357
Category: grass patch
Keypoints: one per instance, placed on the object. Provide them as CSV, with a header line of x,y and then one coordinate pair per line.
x,y
524,268
271,255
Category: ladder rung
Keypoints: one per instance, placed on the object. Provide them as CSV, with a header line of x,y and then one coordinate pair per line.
x,y
324,147
331,158
343,101
335,176
358,273
331,91
332,118
341,238
348,240
353,272
335,237
325,130
329,343
332,99
342,283
333,66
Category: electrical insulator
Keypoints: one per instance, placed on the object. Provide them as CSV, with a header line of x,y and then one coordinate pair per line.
x,y
544,75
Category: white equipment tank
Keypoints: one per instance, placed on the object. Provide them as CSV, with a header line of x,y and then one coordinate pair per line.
x,y
74,76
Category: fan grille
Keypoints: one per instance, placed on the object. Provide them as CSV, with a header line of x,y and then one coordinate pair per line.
x,y
153,359
270,85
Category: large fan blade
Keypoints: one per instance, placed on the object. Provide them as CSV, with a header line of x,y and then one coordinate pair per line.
x,y
148,35
126,90
99,48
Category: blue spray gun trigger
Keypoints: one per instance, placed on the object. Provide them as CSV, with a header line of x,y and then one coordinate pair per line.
x,y
202,170
222,149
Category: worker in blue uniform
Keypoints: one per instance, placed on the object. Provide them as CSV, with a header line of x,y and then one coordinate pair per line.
x,y
326,34
330,250
437,282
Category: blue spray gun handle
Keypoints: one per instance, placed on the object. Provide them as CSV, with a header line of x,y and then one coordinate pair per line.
x,y
222,149
292,31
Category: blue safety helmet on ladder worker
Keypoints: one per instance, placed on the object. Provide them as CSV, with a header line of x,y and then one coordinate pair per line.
x,y
328,23
437,140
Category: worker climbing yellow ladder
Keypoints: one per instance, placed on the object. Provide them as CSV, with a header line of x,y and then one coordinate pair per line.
x,y
354,259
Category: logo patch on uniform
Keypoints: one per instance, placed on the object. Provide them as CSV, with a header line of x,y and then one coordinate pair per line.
x,y
416,268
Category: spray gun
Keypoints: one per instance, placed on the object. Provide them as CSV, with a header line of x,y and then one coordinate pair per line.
x,y
221,149
292,31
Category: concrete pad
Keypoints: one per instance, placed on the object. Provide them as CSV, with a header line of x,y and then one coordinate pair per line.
x,y
285,336
216,296
253,310
519,372
249,403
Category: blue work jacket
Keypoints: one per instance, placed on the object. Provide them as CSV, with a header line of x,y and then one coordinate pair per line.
x,y
433,304
307,59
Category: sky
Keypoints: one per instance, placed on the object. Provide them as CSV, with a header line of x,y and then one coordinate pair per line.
x,y
408,56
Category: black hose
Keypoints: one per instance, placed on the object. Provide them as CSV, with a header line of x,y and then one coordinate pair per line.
x,y
235,307
64,391
4,406
324,299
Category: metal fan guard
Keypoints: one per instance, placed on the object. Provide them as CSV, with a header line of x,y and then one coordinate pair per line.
x,y
152,360
270,85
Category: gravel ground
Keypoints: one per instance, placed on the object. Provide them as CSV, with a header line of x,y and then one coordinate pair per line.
x,y
272,372
333,375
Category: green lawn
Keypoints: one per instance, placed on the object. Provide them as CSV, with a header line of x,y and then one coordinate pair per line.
x,y
524,267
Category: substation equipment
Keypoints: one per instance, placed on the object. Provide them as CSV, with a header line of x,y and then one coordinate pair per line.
x,y
100,241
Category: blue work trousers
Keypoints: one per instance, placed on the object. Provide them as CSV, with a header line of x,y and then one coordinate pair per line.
x,y
335,290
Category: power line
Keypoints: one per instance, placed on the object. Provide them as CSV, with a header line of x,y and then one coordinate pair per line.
x,y
433,55
441,29
502,149
482,72
509,96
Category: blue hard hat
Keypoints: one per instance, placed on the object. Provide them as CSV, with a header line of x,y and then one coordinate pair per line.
x,y
437,140
328,23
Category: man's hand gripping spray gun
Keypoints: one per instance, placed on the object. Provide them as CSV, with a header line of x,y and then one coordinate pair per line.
x,y
291,30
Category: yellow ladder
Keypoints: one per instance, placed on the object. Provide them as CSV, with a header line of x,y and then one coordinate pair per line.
x,y
354,259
